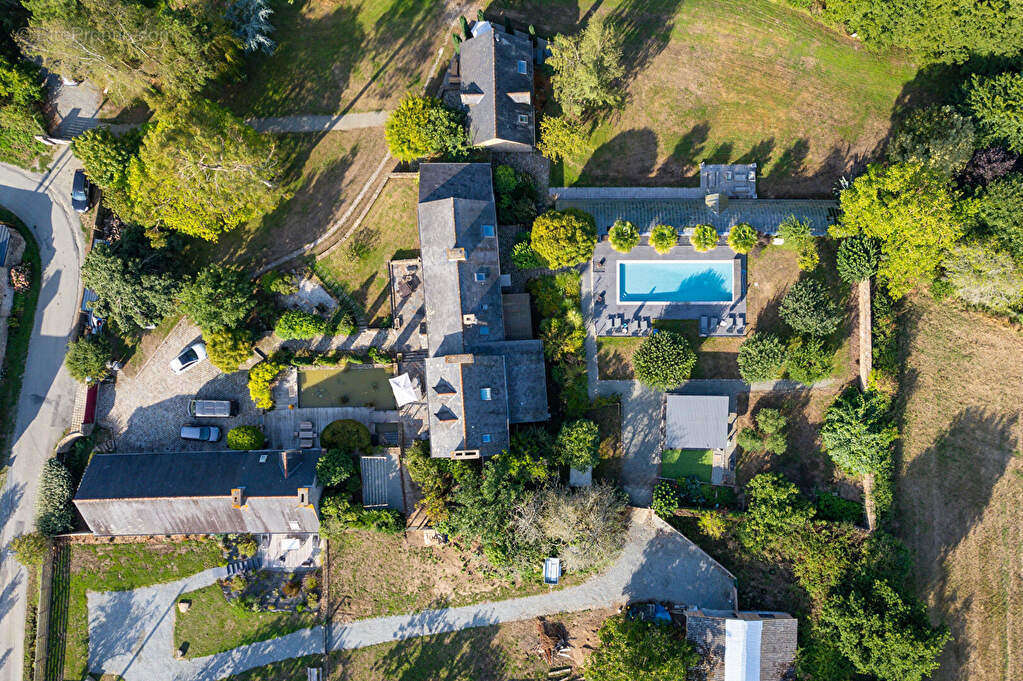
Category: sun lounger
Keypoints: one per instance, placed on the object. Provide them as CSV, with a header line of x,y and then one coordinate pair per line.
x,y
703,325
305,443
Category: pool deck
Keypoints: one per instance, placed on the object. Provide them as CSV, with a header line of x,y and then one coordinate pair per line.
x,y
603,274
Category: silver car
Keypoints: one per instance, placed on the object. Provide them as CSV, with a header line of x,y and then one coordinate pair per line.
x,y
200,433
189,357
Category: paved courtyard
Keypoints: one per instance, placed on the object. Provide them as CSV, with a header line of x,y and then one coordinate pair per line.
x,y
131,633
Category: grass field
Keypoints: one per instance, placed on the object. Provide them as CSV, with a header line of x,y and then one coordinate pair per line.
x,y
730,80
359,265
342,55
212,625
117,567
683,463
960,483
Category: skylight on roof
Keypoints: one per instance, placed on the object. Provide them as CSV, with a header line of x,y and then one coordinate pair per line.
x,y
522,67
481,275
485,394
488,230
486,438
484,330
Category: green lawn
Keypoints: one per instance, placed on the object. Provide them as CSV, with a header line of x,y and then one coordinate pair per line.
x,y
683,463
730,81
212,625
359,266
341,55
116,567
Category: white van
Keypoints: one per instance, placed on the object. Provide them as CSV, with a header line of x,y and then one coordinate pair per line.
x,y
211,409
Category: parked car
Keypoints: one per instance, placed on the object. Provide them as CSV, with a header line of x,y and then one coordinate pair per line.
x,y
212,409
201,433
189,357
81,192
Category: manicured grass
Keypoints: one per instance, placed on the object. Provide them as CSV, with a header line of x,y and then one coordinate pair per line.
x,y
19,332
728,81
715,357
285,670
118,567
212,625
340,55
359,265
684,463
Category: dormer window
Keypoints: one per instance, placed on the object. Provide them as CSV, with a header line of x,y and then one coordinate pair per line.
x,y
522,67
485,394
488,230
523,119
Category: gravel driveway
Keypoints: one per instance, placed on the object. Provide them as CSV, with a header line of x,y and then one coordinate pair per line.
x,y
146,413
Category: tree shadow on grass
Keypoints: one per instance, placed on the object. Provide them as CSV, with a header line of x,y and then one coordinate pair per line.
x,y
644,27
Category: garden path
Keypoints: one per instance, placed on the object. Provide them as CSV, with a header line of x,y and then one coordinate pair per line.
x,y
131,633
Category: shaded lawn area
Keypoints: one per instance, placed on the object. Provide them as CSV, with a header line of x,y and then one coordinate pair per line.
x,y
730,81
212,625
359,265
118,567
321,175
715,357
960,482
341,55
143,348
609,426
684,463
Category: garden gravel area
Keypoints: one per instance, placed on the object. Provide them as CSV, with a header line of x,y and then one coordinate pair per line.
x,y
131,633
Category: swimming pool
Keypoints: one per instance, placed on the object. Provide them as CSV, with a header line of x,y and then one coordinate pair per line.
x,y
675,281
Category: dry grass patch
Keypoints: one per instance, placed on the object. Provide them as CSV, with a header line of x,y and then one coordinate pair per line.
x,y
960,483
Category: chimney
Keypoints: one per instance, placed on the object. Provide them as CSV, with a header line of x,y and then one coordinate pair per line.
x,y
303,496
456,254
238,497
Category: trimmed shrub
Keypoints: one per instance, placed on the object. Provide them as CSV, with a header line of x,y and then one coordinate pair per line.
x,y
666,499
705,238
30,549
761,357
807,308
261,377
809,361
578,444
87,358
664,360
564,238
53,513
228,348
857,258
245,438
742,238
346,435
299,325
663,238
623,236
525,258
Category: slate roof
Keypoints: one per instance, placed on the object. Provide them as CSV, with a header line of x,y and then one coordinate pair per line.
x,y
489,67
763,214
696,422
196,474
466,345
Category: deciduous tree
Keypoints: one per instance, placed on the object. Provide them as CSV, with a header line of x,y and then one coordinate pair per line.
x,y
220,297
422,127
936,136
997,104
857,433
664,360
564,238
761,357
587,68
807,308
1000,210
560,138
578,444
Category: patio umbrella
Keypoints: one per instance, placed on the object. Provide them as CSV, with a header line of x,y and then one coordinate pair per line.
x,y
404,391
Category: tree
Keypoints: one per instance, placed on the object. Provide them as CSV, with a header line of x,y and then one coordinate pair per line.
x,y
775,509
251,21
997,104
771,421
245,438
807,308
883,635
219,298
587,68
985,276
857,258
742,238
1000,210
664,360
53,515
663,238
31,548
299,325
914,213
525,258
433,476
346,435
20,96
705,238
560,138
334,467
87,359
261,377
761,357
857,433
636,650
174,52
422,127
623,236
936,136
809,361
202,171
564,238
578,444
131,291
987,165
228,348
106,157
798,237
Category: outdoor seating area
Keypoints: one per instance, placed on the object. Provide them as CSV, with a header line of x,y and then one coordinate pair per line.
x,y
728,325
621,325
306,435
408,311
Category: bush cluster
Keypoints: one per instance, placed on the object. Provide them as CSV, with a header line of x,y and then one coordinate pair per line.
x,y
578,444
516,196
299,325
623,236
261,377
664,360
245,438
53,506
564,238
558,300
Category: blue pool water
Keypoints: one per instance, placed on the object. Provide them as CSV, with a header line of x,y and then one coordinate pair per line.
x,y
675,281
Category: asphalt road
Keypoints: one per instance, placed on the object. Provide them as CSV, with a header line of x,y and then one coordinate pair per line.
x,y
47,392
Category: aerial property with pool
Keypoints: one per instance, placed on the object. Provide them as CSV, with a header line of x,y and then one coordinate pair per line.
x,y
630,290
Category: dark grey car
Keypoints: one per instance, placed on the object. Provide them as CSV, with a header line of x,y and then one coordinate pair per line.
x,y
81,192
